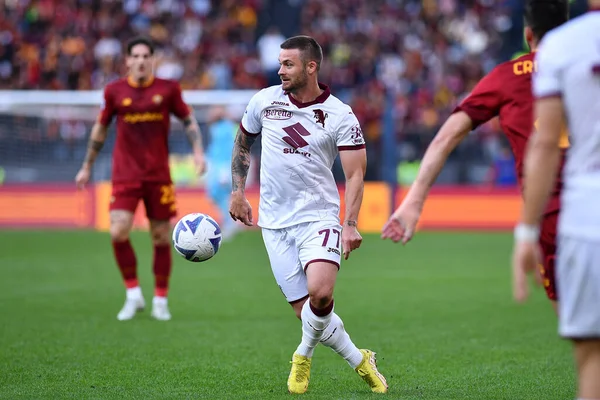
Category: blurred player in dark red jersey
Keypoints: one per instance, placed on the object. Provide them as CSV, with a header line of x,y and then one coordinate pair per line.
x,y
505,92
143,105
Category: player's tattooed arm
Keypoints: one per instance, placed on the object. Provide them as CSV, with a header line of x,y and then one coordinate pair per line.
x,y
240,160
192,130
95,144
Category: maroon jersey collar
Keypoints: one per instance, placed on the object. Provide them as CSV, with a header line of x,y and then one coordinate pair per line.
x,y
320,99
134,84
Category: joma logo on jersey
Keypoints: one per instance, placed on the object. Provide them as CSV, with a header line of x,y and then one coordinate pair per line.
x,y
280,103
134,118
320,117
277,114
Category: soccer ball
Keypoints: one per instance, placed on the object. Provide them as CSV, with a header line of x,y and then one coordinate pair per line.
x,y
197,237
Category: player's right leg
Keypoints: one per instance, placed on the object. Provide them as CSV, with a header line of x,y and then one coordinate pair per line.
x,y
320,254
578,279
122,208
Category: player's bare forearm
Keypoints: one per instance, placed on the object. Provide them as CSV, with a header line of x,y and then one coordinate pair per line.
x,y
194,135
353,198
454,130
354,164
95,144
542,159
240,160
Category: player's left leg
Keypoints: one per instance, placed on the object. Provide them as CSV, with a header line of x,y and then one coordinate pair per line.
x,y
160,231
320,250
159,200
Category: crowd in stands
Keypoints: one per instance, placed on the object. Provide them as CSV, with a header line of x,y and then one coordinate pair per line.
x,y
417,56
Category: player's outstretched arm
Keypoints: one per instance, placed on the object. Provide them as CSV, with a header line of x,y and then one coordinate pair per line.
x,y
240,208
95,144
354,164
541,166
402,223
192,130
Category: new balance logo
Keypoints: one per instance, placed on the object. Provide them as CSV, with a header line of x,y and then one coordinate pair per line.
x,y
280,103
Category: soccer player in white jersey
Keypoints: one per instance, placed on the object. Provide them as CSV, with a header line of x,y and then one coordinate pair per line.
x,y
303,128
567,90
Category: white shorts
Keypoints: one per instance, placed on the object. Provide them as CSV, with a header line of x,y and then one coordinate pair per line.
x,y
292,249
578,284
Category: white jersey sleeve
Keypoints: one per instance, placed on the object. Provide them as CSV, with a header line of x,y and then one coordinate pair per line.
x,y
547,81
251,120
349,133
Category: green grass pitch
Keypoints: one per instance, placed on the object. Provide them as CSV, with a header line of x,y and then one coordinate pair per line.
x,y
438,312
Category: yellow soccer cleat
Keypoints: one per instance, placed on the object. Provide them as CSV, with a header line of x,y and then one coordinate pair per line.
x,y
367,370
299,375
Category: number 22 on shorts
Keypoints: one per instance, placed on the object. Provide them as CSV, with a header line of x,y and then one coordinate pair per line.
x,y
167,195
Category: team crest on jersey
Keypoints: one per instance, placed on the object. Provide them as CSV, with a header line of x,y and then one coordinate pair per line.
x,y
157,99
126,102
320,117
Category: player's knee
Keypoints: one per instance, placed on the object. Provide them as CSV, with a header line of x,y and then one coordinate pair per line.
x,y
119,232
160,235
321,298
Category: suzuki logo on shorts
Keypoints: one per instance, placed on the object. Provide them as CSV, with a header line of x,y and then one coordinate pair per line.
x,y
295,133
277,114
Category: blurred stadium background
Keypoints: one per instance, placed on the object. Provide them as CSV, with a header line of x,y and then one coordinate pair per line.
x,y
401,65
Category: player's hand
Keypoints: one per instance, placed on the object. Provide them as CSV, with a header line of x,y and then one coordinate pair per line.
x,y
83,177
240,208
401,225
351,240
200,163
526,260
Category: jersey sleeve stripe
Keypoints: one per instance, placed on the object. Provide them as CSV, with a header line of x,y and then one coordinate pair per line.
x,y
346,148
248,133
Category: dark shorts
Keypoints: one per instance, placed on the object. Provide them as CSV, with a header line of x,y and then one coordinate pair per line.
x,y
548,246
158,198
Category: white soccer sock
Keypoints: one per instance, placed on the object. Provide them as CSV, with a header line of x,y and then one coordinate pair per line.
x,y
337,339
134,292
313,327
159,300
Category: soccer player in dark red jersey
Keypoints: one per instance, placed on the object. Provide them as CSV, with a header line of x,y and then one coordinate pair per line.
x,y
505,92
142,105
